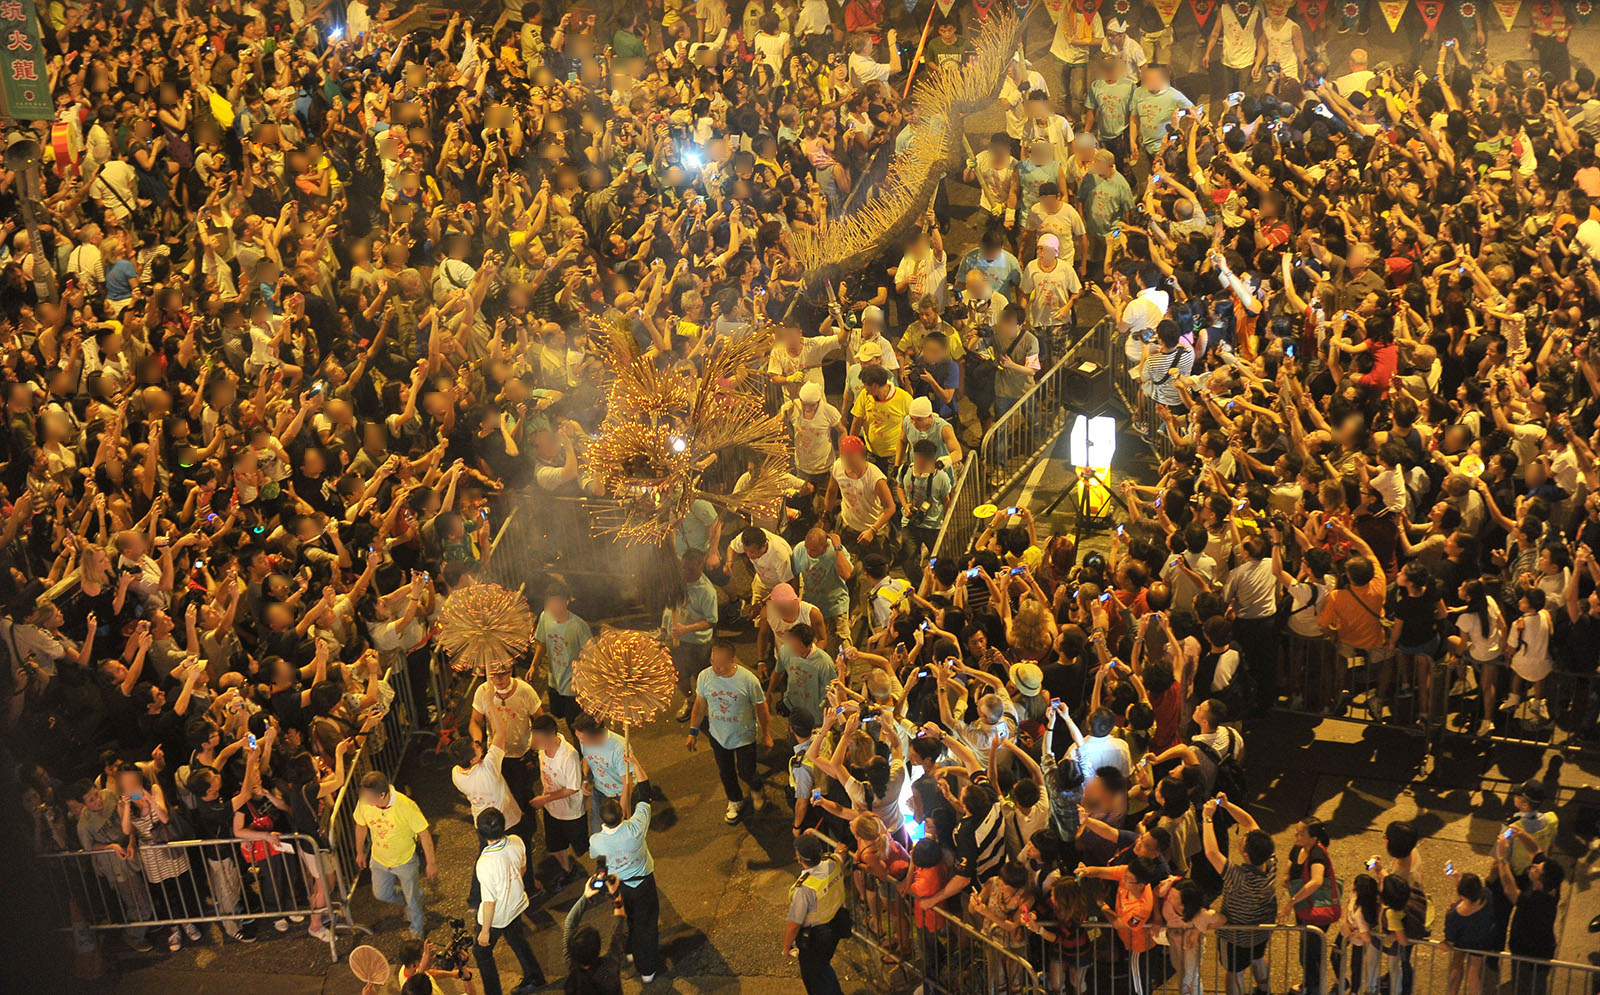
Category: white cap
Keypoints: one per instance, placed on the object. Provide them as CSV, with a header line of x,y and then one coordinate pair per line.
x,y
1116,26
811,393
1049,242
921,407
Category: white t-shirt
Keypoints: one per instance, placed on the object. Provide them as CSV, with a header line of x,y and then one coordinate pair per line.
x,y
924,276
1102,751
1484,647
813,437
772,567
499,870
1048,292
521,702
564,770
808,364
860,504
485,787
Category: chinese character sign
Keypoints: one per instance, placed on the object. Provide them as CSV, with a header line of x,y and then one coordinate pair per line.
x,y
26,84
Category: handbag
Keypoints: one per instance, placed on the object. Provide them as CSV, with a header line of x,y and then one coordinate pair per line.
x,y
176,829
1323,907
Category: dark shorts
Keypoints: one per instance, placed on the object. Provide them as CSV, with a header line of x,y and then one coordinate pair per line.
x,y
562,833
1236,957
563,706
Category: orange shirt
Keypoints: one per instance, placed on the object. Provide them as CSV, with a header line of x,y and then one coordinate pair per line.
x,y
1346,612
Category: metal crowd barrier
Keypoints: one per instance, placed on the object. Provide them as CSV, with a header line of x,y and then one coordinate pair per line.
x,y
952,954
1147,422
384,750
953,957
1435,966
1019,438
102,891
1446,698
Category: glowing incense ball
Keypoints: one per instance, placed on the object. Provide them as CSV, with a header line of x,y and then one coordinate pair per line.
x,y
625,677
484,624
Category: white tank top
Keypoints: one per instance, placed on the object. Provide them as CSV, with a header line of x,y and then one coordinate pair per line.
x,y
1280,47
1239,38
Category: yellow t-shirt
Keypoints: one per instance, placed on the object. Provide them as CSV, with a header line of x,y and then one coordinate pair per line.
x,y
883,420
393,829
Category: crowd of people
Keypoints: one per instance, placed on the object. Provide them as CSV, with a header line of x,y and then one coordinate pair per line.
x,y
309,305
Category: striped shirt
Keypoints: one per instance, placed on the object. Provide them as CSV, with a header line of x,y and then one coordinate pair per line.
x,y
1249,898
1161,372
981,844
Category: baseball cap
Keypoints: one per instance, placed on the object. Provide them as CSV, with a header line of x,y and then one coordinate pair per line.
x,y
811,393
921,407
852,444
872,312
1049,242
868,352
784,594
1531,790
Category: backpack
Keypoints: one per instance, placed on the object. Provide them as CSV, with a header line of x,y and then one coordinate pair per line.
x,y
1417,917
1239,696
1223,774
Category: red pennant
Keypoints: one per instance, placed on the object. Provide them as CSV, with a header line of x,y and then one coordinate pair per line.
x,y
1203,9
1089,8
1312,11
1430,11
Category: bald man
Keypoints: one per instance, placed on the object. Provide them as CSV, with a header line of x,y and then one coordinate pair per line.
x,y
1359,78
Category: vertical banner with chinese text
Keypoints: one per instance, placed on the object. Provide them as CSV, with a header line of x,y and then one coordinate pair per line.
x,y
25,95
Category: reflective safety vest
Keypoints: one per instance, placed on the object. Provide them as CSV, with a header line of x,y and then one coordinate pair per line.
x,y
827,881
800,760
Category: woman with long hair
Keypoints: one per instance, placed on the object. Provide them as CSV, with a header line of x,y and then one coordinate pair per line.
x,y
1480,639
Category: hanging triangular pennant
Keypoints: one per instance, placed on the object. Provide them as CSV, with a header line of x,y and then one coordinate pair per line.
x,y
1508,11
1393,10
982,8
1580,11
1467,10
1089,8
945,7
1203,9
1430,11
1052,7
1545,13
1312,11
1168,9
1122,9
1350,12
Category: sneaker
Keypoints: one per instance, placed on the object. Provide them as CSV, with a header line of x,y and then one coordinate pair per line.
x,y
1541,711
174,940
647,978
192,931
732,814
140,944
297,919
758,801
683,713
319,933
242,936
529,986
1511,702
1486,728
281,925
